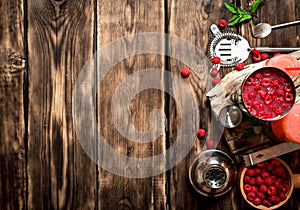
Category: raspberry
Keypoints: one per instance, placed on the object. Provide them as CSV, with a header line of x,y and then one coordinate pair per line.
x,y
267,203
257,171
279,92
285,188
201,132
279,171
261,165
214,72
250,172
222,23
274,199
289,97
185,72
210,144
268,100
240,66
264,56
265,174
252,95
257,201
257,76
247,188
252,181
260,195
270,90
256,58
275,83
267,73
277,185
256,87
216,80
265,82
275,54
282,196
269,180
255,51
280,100
251,196
288,88
216,60
259,180
254,189
247,179
272,190
279,110
261,93
249,81
263,188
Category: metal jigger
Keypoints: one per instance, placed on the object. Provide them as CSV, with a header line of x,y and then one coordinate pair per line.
x,y
230,116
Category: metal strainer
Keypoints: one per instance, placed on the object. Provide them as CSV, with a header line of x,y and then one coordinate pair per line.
x,y
213,173
233,48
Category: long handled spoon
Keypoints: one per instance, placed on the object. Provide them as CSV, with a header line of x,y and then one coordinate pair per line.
x,y
262,30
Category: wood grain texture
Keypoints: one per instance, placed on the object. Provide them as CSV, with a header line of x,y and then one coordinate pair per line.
x,y
60,41
12,121
191,20
127,18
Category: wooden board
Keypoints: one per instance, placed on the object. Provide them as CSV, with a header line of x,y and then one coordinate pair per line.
x,y
60,41
12,113
127,18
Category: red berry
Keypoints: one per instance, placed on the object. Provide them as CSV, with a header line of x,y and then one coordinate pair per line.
x,y
285,188
261,165
289,97
255,51
274,199
275,83
254,189
216,80
267,203
263,188
264,56
222,23
256,57
257,171
214,72
216,60
201,132
250,172
252,181
279,171
261,93
265,82
210,144
282,196
247,188
260,195
256,86
257,201
251,196
279,110
288,87
268,100
185,72
247,179
240,66
279,92
277,185
265,174
275,54
269,180
252,95
272,190
259,180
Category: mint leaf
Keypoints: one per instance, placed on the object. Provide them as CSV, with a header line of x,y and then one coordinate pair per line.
x,y
234,20
242,11
255,5
245,17
231,7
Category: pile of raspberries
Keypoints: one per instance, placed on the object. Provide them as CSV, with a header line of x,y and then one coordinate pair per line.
x,y
266,183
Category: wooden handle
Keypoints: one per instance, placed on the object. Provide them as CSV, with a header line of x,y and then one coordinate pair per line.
x,y
296,178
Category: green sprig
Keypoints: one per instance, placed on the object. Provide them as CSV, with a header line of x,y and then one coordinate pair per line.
x,y
239,14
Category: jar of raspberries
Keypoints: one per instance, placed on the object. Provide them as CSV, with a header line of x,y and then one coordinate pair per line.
x,y
268,185
267,93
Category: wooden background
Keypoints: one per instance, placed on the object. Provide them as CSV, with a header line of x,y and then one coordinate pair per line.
x,y
44,45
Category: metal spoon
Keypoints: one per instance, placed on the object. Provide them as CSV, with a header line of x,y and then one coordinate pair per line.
x,y
262,30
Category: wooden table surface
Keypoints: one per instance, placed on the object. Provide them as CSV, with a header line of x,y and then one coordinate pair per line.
x,y
45,45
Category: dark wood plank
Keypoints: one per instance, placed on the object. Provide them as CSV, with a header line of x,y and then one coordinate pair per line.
x,y
60,41
191,20
12,121
124,191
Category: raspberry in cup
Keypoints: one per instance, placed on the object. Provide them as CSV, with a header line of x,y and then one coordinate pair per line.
x,y
268,93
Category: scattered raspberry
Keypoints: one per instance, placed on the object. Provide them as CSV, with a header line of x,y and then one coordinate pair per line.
x,y
222,23
185,72
214,72
216,80
240,66
264,56
216,60
255,51
256,58
201,132
210,144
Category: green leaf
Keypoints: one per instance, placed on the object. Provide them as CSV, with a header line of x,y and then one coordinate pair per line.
x,y
242,11
255,6
231,7
234,20
245,17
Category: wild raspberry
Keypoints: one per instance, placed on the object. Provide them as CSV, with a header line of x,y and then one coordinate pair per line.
x,y
247,188
263,188
272,190
240,66
269,180
222,23
216,80
259,180
185,72
250,172
264,56
277,185
251,196
216,60
265,174
214,72
210,144
201,132
257,201
256,86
